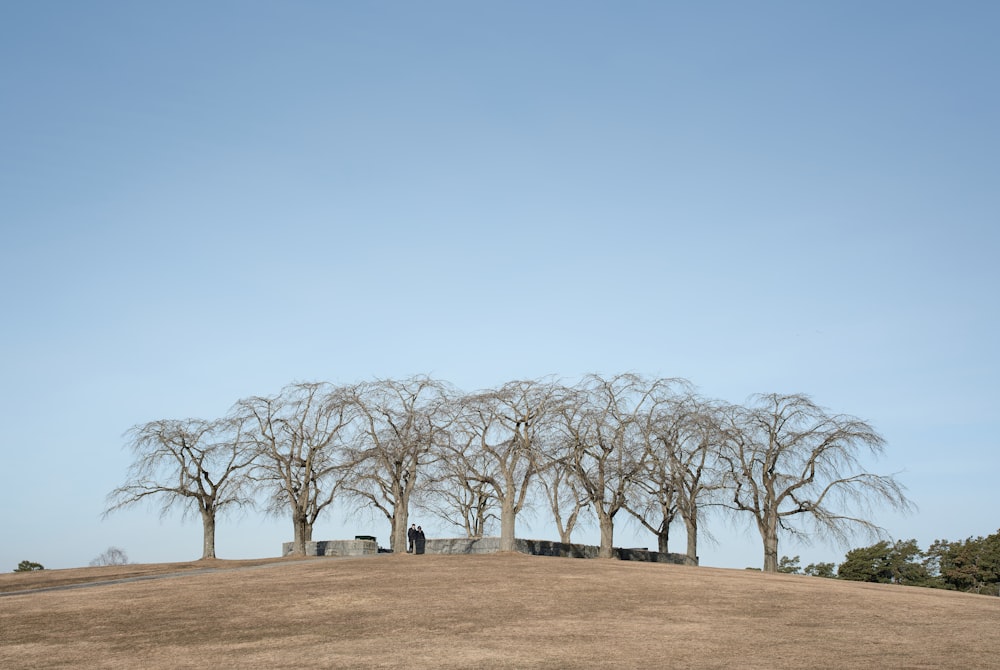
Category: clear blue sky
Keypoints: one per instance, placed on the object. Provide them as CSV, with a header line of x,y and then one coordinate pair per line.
x,y
205,201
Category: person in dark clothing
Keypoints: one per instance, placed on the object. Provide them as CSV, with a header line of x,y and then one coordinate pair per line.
x,y
420,540
411,536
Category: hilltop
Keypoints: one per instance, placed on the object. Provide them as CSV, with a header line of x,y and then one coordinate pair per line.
x,y
482,611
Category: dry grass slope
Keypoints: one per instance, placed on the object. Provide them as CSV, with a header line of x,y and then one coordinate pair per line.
x,y
494,611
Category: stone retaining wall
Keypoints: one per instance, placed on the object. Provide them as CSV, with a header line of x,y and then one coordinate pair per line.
x,y
491,545
484,545
335,548
463,545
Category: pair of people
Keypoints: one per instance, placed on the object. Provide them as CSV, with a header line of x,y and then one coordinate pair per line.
x,y
416,537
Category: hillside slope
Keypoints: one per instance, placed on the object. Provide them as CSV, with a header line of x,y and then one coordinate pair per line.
x,y
492,611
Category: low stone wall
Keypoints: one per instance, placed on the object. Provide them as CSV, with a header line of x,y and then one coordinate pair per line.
x,y
652,556
491,545
484,545
463,545
335,548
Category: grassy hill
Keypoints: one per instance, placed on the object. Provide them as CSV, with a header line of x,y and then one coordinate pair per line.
x,y
488,611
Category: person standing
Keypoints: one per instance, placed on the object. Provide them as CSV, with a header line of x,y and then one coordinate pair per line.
x,y
411,536
420,540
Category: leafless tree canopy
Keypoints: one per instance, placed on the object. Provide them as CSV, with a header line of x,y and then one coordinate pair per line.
x,y
787,459
111,556
679,477
297,438
603,444
502,439
193,464
587,451
399,424
454,495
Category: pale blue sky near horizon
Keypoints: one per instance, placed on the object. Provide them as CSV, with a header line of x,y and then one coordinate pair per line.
x,y
205,201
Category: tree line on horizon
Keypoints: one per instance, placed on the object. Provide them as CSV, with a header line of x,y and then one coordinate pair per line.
x,y
971,565
604,448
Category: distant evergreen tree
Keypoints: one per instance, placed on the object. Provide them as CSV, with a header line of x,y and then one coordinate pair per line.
x,y
828,570
789,566
866,564
972,565
28,566
886,563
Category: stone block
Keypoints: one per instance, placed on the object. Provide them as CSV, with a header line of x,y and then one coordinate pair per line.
x,y
335,548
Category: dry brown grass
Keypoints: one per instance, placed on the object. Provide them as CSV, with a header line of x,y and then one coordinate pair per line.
x,y
494,611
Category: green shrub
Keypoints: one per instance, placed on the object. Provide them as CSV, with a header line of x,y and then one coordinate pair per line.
x,y
28,566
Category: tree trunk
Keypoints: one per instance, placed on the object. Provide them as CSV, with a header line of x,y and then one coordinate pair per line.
x,y
770,537
607,524
508,517
480,523
691,526
400,522
663,537
299,539
565,533
208,534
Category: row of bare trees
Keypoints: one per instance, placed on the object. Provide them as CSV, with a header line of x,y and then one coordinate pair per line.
x,y
651,450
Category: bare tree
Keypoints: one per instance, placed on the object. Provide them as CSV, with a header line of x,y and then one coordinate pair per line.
x,y
452,496
694,463
298,437
655,505
683,446
567,500
601,446
111,556
501,445
785,458
400,423
194,464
